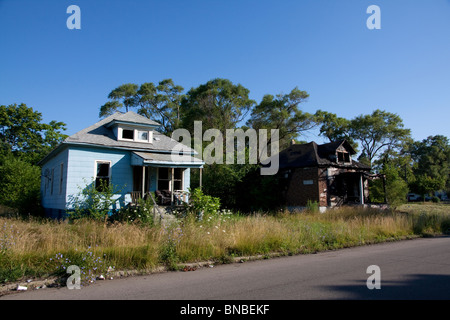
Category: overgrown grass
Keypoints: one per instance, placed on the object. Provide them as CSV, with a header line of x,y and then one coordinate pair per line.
x,y
39,248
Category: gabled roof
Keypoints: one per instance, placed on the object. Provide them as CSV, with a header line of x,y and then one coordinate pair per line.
x,y
314,155
331,147
132,118
101,134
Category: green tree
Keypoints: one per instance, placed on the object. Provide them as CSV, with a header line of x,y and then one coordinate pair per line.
x,y
431,164
334,128
161,103
20,185
23,134
219,104
157,102
395,189
124,96
282,112
377,132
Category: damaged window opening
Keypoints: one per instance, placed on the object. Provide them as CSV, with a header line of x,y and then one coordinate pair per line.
x,y
343,157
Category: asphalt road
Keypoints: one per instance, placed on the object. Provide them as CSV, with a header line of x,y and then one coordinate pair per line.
x,y
411,269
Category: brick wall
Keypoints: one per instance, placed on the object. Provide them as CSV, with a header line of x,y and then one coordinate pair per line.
x,y
303,185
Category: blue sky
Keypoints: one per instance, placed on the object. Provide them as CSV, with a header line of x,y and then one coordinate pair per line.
x,y
268,46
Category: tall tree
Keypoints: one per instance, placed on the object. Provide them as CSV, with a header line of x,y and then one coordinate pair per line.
x,y
161,103
157,102
219,104
431,158
20,185
282,112
377,132
23,134
124,96
334,128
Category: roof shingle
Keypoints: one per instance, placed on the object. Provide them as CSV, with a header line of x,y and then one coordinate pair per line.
x,y
314,155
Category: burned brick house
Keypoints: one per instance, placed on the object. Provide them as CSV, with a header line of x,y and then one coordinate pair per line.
x,y
323,173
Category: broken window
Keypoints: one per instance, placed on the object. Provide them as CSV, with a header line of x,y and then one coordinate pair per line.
x,y
165,178
343,157
102,177
127,134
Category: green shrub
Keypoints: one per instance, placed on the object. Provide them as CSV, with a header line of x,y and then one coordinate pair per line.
x,y
445,226
312,206
435,199
20,185
94,203
201,204
141,213
168,255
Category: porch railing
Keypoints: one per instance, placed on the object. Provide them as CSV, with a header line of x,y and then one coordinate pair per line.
x,y
179,196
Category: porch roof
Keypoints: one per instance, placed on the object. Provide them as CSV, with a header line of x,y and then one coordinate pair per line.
x,y
165,160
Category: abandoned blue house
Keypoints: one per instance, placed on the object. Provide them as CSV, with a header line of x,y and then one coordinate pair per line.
x,y
123,149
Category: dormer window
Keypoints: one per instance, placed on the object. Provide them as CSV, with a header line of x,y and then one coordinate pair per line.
x,y
343,157
128,134
132,127
136,135
142,135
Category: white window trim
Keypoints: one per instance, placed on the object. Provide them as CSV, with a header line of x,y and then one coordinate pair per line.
x,y
135,134
170,178
181,180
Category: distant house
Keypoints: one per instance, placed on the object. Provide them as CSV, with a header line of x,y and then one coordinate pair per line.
x,y
123,149
324,173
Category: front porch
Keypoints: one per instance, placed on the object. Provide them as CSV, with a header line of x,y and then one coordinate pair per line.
x,y
350,188
166,175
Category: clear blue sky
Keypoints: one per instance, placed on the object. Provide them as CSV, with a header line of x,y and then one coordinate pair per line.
x,y
268,46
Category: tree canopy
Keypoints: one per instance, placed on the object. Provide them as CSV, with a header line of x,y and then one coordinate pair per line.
x,y
334,128
24,140
23,134
219,104
157,102
378,131
282,112
431,164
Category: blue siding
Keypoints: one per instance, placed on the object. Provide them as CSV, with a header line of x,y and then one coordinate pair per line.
x,y
55,200
79,166
82,167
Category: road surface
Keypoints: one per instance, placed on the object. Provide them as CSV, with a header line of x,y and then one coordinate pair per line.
x,y
411,269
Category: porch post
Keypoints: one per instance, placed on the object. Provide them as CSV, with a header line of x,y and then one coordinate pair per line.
x,y
201,170
172,184
361,189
